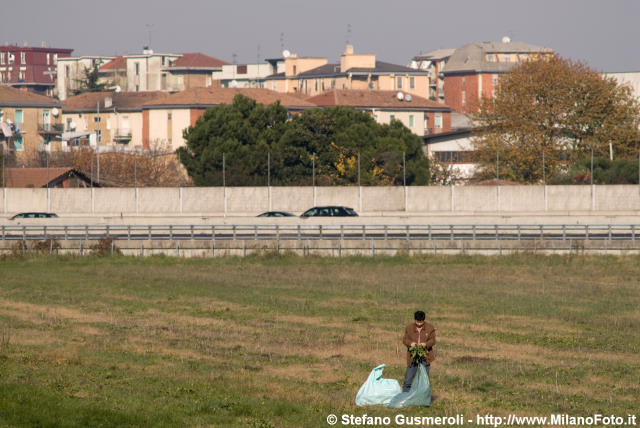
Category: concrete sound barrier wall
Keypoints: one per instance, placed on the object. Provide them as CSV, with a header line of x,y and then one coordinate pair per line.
x,y
367,200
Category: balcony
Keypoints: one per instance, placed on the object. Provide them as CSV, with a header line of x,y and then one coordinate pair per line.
x,y
50,128
122,136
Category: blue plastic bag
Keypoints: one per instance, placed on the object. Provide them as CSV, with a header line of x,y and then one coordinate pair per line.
x,y
377,390
418,395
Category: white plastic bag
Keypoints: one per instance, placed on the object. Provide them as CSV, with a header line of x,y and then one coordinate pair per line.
x,y
377,390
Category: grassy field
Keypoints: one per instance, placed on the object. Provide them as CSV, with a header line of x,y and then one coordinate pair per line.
x,y
282,341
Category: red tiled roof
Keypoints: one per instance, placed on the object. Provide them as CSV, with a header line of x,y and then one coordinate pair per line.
x,y
375,99
13,96
198,60
118,63
214,96
32,177
119,100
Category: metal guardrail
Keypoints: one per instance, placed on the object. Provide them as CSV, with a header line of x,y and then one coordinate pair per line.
x,y
314,232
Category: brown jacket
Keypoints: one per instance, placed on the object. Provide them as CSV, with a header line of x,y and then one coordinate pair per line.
x,y
427,337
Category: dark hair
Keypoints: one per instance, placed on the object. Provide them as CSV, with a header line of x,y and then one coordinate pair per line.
x,y
419,316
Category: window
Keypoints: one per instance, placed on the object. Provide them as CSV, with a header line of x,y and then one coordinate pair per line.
x,y
410,121
455,157
315,86
2,57
412,82
169,116
507,58
392,117
66,70
464,97
137,88
163,82
426,122
11,58
99,134
137,68
438,121
55,58
273,85
294,69
18,116
96,119
494,80
464,81
21,76
399,81
19,144
23,57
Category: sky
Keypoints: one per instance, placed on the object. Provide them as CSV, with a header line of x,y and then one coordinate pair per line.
x,y
602,33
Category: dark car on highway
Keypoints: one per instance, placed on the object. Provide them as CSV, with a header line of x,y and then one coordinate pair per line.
x,y
276,214
329,211
33,215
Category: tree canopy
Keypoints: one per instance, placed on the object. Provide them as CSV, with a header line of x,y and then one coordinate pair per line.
x,y
556,107
329,140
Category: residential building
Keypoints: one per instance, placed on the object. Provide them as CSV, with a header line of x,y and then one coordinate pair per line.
x,y
71,73
192,70
454,148
106,119
420,115
313,76
140,72
164,119
434,63
114,73
29,122
473,71
30,67
246,75
151,71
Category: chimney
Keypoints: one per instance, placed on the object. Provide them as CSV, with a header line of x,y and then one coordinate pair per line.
x,y
348,50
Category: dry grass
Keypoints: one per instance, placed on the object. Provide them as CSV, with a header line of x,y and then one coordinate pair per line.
x,y
285,341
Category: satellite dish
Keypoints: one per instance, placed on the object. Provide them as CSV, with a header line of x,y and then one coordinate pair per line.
x,y
118,88
506,39
370,85
72,125
234,84
400,96
286,53
414,64
55,112
407,98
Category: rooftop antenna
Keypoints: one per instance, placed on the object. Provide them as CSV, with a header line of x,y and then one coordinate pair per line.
x,y
149,27
258,54
281,42
235,57
348,34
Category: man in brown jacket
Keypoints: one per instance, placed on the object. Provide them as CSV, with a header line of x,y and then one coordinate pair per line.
x,y
419,333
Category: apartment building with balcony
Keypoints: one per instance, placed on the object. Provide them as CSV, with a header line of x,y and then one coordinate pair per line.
x,y
105,119
29,122
313,76
192,70
434,64
152,71
30,67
